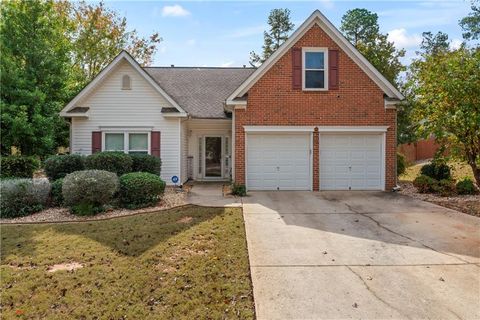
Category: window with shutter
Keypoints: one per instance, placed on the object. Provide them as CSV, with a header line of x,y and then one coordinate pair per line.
x,y
315,71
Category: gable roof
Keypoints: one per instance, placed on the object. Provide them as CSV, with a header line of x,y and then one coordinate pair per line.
x,y
124,55
200,91
318,18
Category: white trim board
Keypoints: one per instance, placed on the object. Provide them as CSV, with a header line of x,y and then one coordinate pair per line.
x,y
122,56
252,129
318,18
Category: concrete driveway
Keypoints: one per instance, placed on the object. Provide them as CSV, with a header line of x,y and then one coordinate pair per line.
x,y
362,255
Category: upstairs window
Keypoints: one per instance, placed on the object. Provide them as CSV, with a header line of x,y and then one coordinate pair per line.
x,y
314,69
126,82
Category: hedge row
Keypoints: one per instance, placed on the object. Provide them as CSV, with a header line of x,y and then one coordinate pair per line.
x,y
85,192
57,167
18,166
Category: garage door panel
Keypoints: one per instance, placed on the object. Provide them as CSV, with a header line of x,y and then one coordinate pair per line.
x,y
351,161
280,161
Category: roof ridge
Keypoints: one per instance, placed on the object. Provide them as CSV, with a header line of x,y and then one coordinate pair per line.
x,y
186,67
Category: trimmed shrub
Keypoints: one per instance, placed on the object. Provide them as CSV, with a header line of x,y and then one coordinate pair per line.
x,y
239,190
87,192
21,197
117,162
146,163
401,164
445,187
425,184
466,186
57,167
18,166
56,196
437,170
140,189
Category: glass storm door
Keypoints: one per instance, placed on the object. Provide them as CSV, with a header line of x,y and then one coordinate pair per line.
x,y
213,157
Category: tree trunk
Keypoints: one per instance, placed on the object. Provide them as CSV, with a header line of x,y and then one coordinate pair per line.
x,y
476,172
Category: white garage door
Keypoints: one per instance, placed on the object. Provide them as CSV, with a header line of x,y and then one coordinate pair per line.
x,y
351,162
278,162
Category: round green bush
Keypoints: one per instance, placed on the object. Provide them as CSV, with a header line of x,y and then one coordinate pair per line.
x,y
466,186
401,164
87,192
239,190
18,166
140,189
117,162
425,184
437,170
56,193
21,197
146,163
445,187
57,167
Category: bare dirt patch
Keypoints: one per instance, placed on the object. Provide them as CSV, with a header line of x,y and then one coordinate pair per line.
x,y
70,266
469,204
185,220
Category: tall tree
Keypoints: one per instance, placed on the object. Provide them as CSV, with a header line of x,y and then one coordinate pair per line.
x,y
446,87
361,28
280,27
98,34
434,44
471,23
35,71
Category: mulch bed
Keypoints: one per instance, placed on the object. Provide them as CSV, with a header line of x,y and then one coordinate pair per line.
x,y
469,204
173,197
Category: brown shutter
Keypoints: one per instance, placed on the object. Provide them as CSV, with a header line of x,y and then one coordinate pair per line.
x,y
333,81
96,141
155,143
296,68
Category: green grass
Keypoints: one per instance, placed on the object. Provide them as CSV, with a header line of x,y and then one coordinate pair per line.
x,y
460,170
150,266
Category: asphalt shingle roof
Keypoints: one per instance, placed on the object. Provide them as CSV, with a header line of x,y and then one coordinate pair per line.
x,y
200,91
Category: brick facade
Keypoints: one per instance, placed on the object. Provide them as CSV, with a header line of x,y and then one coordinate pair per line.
x,y
357,102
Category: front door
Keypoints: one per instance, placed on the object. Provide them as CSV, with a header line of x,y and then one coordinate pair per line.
x,y
213,157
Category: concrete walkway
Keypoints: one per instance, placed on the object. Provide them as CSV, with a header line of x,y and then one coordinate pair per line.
x,y
211,195
362,255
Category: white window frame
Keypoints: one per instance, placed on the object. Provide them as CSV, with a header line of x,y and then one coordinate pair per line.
x,y
325,68
126,140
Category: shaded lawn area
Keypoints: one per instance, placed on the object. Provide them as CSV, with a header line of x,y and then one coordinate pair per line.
x,y
460,170
189,262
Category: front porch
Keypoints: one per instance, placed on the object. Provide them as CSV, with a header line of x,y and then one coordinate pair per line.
x,y
209,150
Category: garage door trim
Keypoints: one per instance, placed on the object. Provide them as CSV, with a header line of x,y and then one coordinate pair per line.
x,y
364,131
287,130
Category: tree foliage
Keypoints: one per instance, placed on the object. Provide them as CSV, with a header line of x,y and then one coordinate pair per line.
x,y
361,28
35,72
471,23
280,27
446,87
50,50
93,22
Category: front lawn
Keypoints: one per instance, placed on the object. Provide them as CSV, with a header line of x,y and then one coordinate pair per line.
x,y
188,262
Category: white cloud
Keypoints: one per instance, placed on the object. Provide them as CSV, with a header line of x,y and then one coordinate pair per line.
x,y
456,44
327,4
227,64
175,11
403,40
247,31
191,42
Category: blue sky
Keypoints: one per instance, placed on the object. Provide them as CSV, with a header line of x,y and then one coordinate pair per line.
x,y
204,33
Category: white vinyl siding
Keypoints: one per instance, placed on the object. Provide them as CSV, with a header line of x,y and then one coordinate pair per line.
x,y
138,108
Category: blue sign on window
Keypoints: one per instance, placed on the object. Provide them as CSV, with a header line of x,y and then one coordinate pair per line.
x,y
174,179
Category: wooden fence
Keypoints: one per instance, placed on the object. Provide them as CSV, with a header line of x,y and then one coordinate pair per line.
x,y
420,150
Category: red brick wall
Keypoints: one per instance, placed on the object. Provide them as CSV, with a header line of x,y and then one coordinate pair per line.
x,y
358,102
